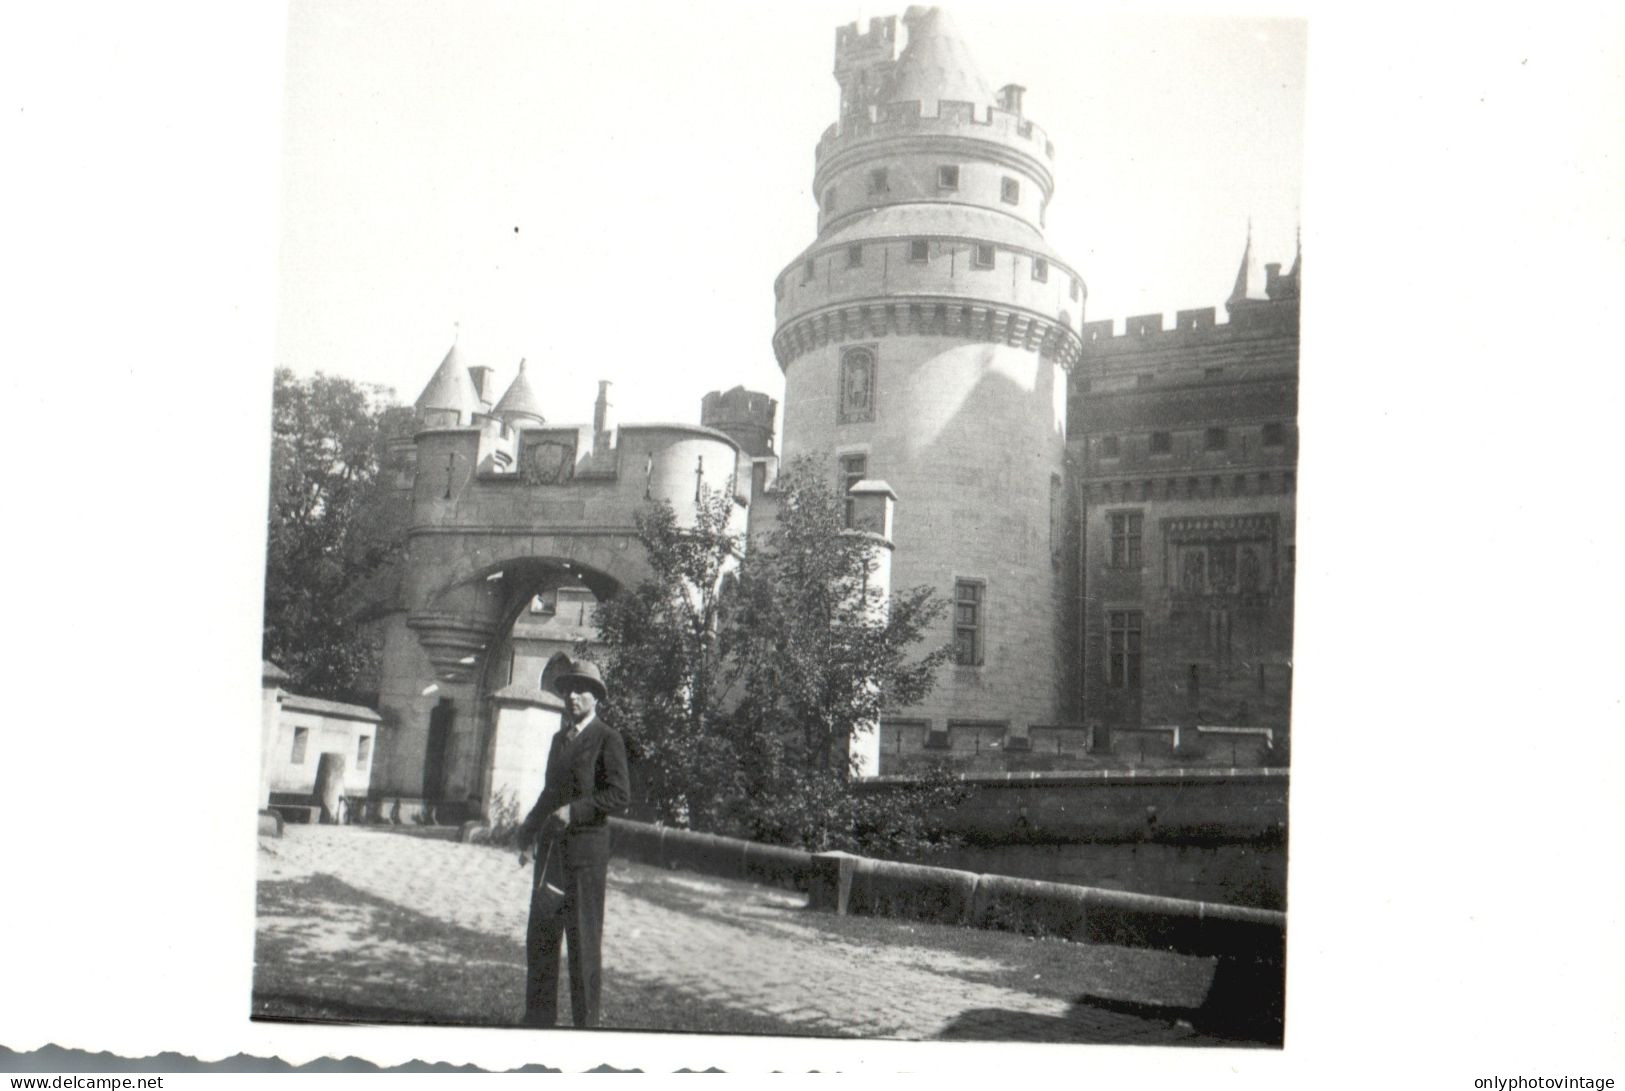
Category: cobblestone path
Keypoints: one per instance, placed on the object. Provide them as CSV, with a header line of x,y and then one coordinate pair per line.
x,y
737,946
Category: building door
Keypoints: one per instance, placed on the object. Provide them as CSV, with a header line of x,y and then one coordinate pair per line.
x,y
437,759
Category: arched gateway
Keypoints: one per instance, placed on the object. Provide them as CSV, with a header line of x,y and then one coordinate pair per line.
x,y
508,510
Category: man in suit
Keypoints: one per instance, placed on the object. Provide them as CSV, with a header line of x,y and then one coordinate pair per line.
x,y
586,782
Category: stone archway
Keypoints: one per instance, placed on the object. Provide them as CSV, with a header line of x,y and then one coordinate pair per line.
x,y
450,671
483,542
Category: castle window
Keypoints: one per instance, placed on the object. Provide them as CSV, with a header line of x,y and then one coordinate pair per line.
x,y
363,751
1109,447
301,739
1010,191
984,255
829,199
919,249
1040,269
807,271
854,256
853,469
1077,288
947,177
1127,529
857,385
1162,443
1215,439
1240,485
968,621
1057,531
1274,434
1123,648
877,180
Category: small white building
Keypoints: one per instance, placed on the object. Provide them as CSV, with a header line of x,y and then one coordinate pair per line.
x,y
319,757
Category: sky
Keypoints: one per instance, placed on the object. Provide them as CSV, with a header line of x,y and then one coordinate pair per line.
x,y
609,191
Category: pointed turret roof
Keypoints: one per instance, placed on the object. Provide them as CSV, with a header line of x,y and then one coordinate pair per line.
x,y
935,65
520,399
1248,282
450,388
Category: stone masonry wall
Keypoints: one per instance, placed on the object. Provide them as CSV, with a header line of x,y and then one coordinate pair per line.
x,y
970,437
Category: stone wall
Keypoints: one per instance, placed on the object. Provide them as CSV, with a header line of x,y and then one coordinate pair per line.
x,y
1182,446
969,436
1188,806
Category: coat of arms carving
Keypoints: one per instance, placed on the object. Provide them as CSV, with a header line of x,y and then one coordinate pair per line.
x,y
548,462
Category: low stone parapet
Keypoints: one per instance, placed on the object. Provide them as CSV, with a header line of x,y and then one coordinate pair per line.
x,y
840,882
881,888
728,857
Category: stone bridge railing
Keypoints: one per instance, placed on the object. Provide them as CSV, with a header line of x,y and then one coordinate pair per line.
x,y
1248,992
845,883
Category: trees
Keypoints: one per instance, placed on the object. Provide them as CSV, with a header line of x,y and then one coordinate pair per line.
x,y
334,528
742,678
668,667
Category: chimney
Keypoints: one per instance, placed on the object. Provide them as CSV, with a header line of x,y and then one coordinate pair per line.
x,y
1010,98
600,419
482,384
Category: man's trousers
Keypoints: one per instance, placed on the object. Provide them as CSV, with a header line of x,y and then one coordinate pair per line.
x,y
582,920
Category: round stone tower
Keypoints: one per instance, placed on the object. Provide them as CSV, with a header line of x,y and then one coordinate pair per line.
x,y
923,337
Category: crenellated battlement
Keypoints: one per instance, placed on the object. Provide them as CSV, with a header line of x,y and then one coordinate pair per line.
x,y
898,119
1197,325
738,404
745,415
853,47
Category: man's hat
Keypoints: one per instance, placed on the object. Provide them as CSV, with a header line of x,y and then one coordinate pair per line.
x,y
581,674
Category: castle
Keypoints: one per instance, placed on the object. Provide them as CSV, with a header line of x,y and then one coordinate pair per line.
x,y
1110,515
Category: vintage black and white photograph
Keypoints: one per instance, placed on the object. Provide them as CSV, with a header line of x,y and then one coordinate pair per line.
x,y
549,537
782,525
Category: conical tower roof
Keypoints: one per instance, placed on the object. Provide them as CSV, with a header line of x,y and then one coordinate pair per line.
x,y
450,388
520,399
1249,285
936,64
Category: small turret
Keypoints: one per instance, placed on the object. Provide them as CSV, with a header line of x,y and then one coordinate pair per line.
x,y
451,398
520,402
744,416
1286,287
863,62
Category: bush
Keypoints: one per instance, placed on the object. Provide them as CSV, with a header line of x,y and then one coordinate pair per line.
x,y
505,819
